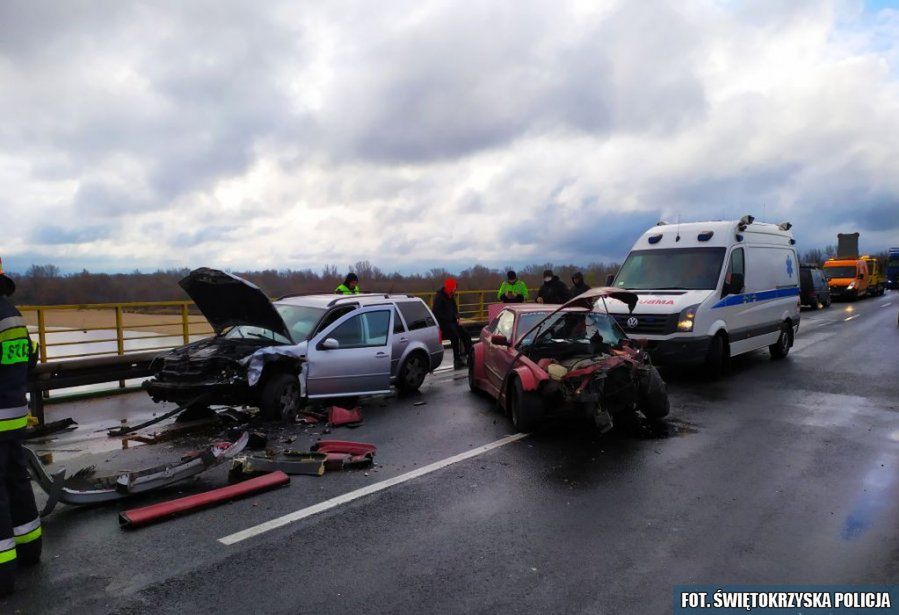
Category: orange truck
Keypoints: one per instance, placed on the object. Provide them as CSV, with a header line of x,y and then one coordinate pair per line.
x,y
877,277
848,278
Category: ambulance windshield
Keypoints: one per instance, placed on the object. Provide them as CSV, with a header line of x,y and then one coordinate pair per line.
x,y
671,269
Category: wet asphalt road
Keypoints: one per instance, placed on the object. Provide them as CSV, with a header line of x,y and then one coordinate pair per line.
x,y
784,472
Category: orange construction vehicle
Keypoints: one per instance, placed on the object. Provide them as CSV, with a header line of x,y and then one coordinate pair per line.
x,y
847,277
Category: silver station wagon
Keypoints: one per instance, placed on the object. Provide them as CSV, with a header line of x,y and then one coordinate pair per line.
x,y
279,355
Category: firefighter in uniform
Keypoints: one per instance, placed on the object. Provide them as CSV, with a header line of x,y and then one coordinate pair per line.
x,y
20,524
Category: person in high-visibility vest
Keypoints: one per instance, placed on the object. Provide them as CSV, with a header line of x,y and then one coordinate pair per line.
x,y
20,524
512,290
350,285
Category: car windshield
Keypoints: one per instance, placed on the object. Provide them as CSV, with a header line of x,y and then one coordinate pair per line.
x,y
840,272
674,268
300,321
570,328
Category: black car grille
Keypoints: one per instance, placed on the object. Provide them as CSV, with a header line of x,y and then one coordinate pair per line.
x,y
648,324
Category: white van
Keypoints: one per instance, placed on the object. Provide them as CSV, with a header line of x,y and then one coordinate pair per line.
x,y
711,290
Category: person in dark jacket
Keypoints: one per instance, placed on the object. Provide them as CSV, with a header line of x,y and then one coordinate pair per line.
x,y
447,314
20,524
553,289
577,284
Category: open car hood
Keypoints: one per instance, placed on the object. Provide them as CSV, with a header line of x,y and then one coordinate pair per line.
x,y
227,300
589,297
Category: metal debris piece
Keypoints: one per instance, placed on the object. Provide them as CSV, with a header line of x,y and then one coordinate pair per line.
x,y
40,431
94,490
344,454
309,464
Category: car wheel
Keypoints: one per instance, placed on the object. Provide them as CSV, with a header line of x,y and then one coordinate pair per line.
x,y
717,357
280,397
412,373
525,408
781,348
827,301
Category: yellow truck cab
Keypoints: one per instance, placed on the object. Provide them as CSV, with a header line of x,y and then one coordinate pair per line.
x,y
877,279
848,278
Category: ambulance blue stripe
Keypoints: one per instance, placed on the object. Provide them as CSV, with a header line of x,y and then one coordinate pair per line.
x,y
765,295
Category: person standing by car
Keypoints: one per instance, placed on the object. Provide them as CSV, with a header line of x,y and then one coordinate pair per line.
x,y
20,525
350,285
553,289
578,286
512,290
447,314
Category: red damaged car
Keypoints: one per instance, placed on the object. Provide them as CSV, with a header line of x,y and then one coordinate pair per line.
x,y
574,359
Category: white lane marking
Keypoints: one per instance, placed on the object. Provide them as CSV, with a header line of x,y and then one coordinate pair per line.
x,y
358,493
851,317
887,304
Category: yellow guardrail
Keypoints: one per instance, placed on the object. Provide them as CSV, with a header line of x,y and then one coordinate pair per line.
x,y
156,325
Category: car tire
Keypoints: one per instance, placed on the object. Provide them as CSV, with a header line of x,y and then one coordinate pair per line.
x,y
717,357
472,383
827,302
781,348
280,397
412,373
526,408
653,397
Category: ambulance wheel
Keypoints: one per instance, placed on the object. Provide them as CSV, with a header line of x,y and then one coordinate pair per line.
x,y
524,407
781,348
717,357
653,396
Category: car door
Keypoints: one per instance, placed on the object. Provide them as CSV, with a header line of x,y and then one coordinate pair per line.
x,y
352,356
735,304
399,342
496,357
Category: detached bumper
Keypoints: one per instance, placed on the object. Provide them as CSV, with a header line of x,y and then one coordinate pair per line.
x,y
679,351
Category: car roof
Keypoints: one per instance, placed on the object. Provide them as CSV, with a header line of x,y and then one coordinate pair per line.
x,y
325,301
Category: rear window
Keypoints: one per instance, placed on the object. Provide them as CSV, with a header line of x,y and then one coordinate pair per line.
x,y
416,315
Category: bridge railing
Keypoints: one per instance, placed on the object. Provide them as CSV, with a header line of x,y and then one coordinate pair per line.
x,y
81,331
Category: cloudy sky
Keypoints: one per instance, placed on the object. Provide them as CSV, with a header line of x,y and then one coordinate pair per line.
x,y
418,134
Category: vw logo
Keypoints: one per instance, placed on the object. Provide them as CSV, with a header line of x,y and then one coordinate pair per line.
x,y
632,322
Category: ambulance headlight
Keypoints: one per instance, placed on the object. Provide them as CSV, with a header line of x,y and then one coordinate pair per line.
x,y
851,285
685,319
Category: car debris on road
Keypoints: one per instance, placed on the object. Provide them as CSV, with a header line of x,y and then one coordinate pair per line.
x,y
84,488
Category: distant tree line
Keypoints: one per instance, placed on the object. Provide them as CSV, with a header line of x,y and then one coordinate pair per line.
x,y
47,285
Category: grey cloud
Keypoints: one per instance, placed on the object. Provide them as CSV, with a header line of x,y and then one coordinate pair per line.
x,y
76,233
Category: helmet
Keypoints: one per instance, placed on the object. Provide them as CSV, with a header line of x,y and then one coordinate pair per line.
x,y
7,285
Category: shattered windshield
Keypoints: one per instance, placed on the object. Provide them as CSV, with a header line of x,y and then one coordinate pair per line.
x,y
671,269
300,321
570,328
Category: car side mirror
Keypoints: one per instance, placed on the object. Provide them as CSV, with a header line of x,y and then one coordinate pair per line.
x,y
736,284
329,344
610,279
499,340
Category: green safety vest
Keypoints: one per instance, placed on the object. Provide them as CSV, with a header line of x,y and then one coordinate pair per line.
x,y
343,289
518,288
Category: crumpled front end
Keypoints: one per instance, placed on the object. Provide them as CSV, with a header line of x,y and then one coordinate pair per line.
x,y
211,369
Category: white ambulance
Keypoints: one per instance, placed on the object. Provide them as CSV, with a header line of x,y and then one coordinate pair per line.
x,y
711,290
